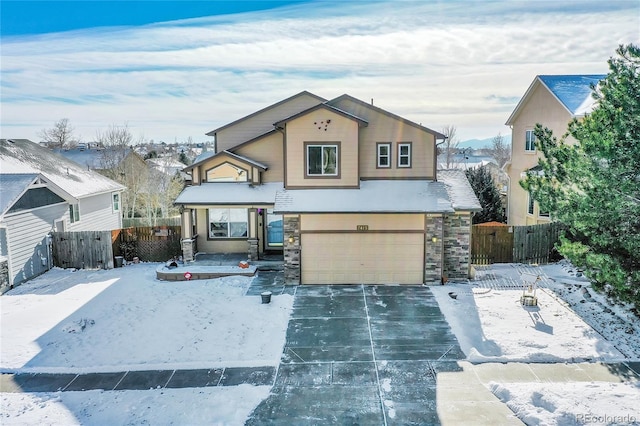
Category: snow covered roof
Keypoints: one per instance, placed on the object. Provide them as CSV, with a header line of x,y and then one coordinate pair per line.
x,y
572,91
381,196
24,156
459,189
241,158
12,186
229,193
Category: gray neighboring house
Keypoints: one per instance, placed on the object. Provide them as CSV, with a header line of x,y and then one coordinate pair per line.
x,y
41,192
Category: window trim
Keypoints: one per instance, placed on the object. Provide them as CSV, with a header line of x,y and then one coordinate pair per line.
x,y
227,238
338,147
378,155
74,213
530,204
529,144
408,156
115,204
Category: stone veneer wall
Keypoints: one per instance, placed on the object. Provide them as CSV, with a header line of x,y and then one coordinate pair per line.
x,y
457,246
433,251
291,226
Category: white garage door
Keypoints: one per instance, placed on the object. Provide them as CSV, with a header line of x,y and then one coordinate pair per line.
x,y
362,258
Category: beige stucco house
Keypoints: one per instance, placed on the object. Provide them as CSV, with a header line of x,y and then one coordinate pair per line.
x,y
553,101
346,191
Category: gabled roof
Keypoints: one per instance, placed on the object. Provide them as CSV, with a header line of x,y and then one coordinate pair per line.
x,y
237,157
326,106
303,93
573,92
437,135
12,187
24,156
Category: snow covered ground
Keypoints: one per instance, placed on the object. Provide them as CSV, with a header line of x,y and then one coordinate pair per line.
x,y
571,323
125,319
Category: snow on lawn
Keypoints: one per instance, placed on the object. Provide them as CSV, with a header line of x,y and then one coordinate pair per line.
x,y
493,326
581,403
125,319
200,406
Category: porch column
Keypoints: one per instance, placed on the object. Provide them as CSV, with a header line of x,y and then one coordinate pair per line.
x,y
188,242
457,245
252,239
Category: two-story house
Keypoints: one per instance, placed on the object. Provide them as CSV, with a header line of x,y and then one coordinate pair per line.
x,y
553,101
41,192
347,191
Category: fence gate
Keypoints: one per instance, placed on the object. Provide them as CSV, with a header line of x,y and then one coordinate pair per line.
x,y
84,249
491,244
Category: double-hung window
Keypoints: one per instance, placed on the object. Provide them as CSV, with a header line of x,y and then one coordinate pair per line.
x,y
228,223
404,155
384,155
74,213
322,160
529,141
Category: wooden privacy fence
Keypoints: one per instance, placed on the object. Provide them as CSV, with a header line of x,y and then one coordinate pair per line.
x,y
86,249
150,244
520,244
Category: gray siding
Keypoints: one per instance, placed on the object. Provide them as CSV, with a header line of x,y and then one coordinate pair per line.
x,y
26,241
96,214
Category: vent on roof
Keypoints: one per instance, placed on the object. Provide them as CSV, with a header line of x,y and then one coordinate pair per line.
x,y
10,141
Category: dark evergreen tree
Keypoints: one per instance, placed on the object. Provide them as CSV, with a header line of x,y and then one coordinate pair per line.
x,y
487,192
592,185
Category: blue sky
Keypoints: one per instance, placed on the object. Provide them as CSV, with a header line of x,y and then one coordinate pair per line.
x,y
173,70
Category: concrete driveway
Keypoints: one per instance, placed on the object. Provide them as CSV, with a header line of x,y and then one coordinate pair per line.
x,y
370,355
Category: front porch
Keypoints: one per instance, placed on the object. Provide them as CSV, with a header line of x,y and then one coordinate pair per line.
x,y
216,265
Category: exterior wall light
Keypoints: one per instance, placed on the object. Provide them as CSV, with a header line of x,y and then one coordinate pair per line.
x,y
291,239
434,239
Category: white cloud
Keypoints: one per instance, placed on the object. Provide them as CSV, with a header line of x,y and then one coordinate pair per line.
x,y
462,63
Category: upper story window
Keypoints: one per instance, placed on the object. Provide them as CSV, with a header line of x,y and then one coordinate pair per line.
x,y
115,202
228,223
530,141
322,160
74,213
404,155
384,155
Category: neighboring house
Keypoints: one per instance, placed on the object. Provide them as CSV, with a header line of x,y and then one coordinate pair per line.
x,y
42,192
347,191
552,101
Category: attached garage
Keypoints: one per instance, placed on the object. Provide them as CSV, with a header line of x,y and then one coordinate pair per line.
x,y
362,258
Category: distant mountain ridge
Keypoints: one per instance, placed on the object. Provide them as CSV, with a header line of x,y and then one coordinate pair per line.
x,y
482,143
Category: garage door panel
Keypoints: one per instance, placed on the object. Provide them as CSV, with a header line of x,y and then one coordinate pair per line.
x,y
360,258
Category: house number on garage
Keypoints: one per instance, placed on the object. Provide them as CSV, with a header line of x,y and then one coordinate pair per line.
x,y
362,227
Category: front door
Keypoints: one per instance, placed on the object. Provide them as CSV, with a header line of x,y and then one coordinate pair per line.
x,y
274,230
